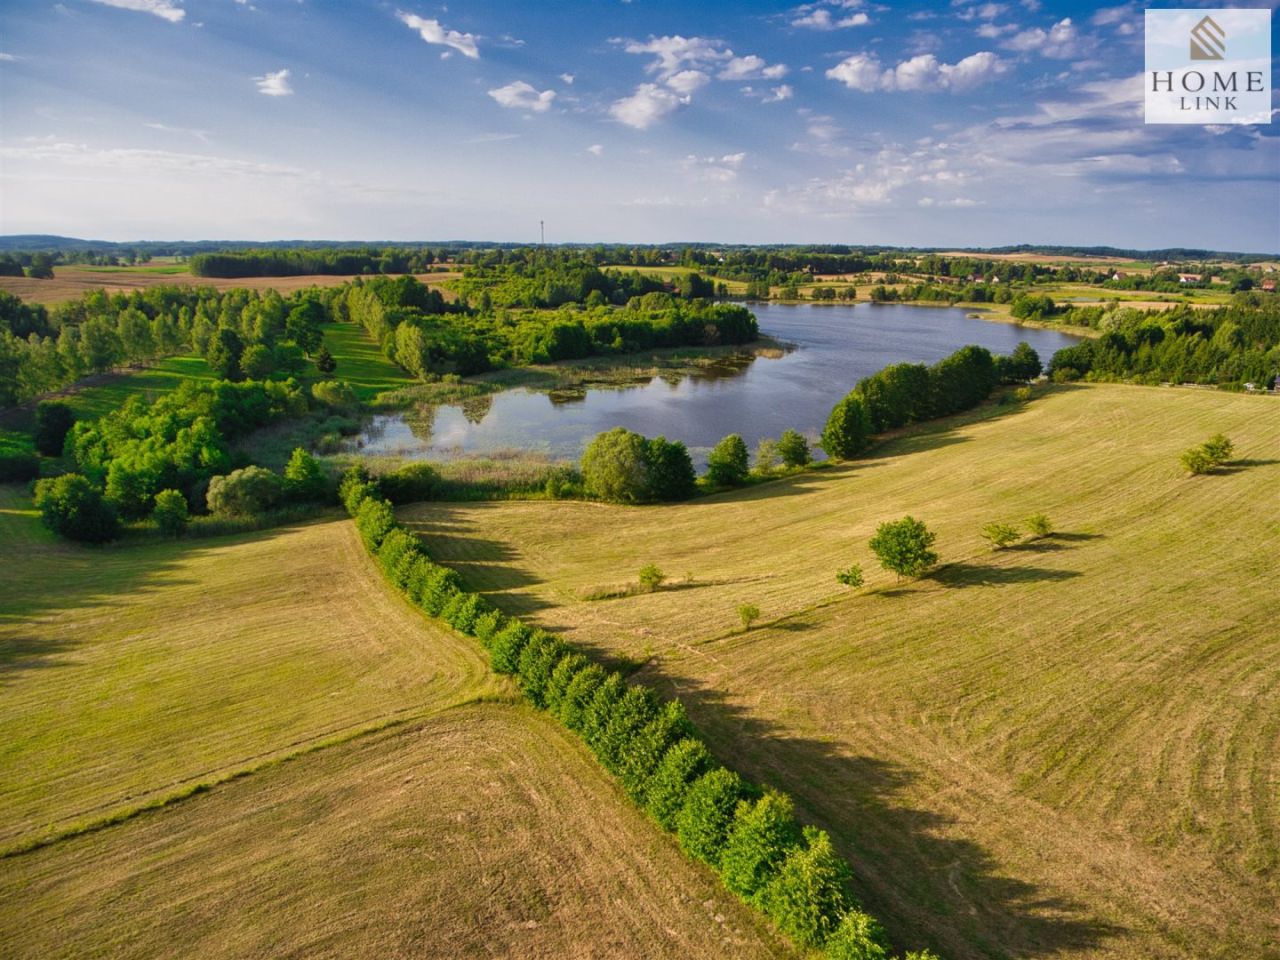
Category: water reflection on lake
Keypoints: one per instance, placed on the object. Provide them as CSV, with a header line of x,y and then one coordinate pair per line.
x,y
834,347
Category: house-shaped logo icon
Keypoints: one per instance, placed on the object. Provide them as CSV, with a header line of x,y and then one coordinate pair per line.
x,y
1208,40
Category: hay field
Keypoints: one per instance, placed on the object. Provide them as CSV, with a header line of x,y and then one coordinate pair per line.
x,y
1069,749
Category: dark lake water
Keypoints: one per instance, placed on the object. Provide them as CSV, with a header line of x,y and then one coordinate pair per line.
x,y
834,347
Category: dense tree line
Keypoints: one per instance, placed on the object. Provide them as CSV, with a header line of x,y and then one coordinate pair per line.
x,y
906,393
242,333
748,834
426,335
1230,346
308,262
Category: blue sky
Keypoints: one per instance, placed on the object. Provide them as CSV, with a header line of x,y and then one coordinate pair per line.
x,y
848,121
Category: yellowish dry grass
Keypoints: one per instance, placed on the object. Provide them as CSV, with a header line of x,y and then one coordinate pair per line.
x,y
1067,749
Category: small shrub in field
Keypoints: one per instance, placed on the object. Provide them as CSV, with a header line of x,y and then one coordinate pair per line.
x,y
651,577
850,576
1000,534
578,696
858,937
170,512
1039,525
748,613
793,448
504,654
566,669
704,820
72,507
54,420
807,898
1196,461
762,835
903,547
682,764
1023,394
1218,449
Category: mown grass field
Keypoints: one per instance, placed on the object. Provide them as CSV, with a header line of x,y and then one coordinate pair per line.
x,y
373,789
486,831
1067,749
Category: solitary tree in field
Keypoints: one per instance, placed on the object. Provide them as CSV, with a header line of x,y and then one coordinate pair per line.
x,y
1218,449
1196,460
902,547
748,613
850,576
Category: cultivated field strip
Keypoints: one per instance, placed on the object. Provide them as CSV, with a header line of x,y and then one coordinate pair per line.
x,y
486,831
1064,749
135,671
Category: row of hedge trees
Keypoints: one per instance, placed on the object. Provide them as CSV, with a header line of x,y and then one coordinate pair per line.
x,y
746,833
906,393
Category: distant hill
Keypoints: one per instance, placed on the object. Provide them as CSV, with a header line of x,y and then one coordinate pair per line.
x,y
33,242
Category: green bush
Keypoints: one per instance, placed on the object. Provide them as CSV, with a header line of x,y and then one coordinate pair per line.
x,y
793,448
170,512
761,836
680,766
1039,525
625,467
596,717
702,825
72,507
304,479
579,695
633,710
465,614
244,493
1000,535
374,519
1218,449
440,585
333,393
651,577
903,547
850,576
356,487
748,613
807,897
563,674
1196,461
395,546
728,463
54,420
487,626
848,429
858,937
640,755
507,645
537,662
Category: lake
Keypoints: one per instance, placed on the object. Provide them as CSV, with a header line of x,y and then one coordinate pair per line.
x,y
833,346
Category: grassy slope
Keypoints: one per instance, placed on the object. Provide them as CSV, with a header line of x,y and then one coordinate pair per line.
x,y
446,828
1067,749
485,831
134,671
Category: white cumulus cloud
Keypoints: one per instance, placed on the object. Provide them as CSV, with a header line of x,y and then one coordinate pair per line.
x,y
596,149
649,104
864,72
1059,42
687,81
824,19
432,31
523,96
274,84
165,9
